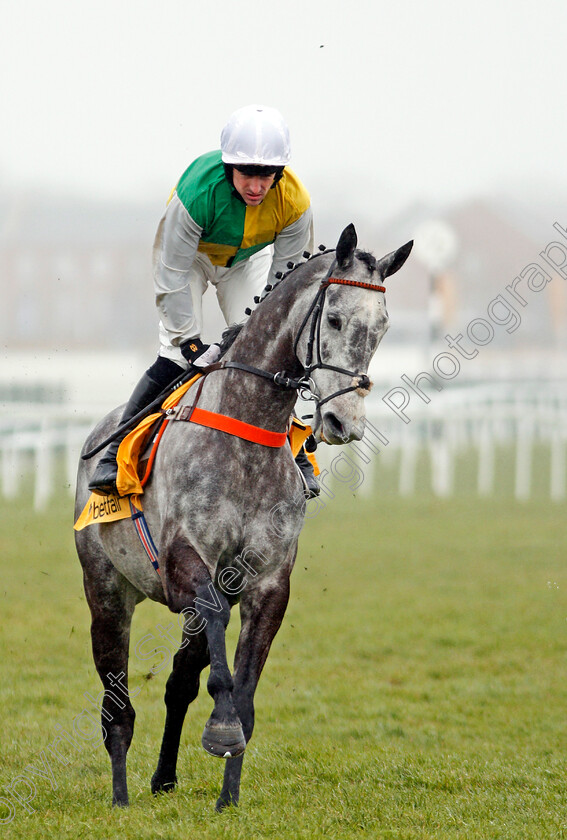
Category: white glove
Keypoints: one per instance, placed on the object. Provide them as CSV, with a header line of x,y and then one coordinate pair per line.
x,y
209,357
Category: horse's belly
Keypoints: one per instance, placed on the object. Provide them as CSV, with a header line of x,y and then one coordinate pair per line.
x,y
129,558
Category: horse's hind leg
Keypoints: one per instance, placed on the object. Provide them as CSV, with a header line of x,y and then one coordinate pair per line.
x,y
181,689
112,600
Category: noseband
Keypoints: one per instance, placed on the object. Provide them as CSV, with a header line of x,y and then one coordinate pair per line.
x,y
314,315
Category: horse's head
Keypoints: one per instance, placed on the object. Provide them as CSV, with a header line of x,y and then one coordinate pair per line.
x,y
344,327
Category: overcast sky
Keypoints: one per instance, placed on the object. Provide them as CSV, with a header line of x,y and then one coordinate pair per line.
x,y
387,102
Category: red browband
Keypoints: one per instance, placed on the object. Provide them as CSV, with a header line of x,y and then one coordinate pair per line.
x,y
371,286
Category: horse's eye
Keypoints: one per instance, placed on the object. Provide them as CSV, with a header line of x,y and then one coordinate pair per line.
x,y
334,322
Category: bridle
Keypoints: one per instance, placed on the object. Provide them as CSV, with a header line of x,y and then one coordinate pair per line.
x,y
315,313
313,361
304,385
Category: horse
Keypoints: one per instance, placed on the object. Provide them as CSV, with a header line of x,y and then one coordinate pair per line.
x,y
226,512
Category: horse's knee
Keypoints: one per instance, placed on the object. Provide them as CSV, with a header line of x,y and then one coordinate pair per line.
x,y
119,729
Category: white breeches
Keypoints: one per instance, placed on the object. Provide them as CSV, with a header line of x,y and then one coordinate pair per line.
x,y
235,288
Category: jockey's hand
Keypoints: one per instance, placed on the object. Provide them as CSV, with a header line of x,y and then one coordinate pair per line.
x,y
199,354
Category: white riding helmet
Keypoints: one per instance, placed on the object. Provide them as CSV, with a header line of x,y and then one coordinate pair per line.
x,y
256,136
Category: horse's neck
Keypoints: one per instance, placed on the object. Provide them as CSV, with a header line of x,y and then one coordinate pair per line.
x,y
266,343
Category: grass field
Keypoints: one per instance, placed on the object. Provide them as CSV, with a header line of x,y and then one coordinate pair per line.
x,y
417,689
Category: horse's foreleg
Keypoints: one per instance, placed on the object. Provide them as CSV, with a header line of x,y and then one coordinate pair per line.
x,y
223,735
181,689
261,615
189,589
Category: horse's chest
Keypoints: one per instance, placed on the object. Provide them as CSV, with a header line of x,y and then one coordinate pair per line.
x,y
248,536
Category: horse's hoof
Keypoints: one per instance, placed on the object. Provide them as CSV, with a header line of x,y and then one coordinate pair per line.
x,y
223,803
223,741
162,786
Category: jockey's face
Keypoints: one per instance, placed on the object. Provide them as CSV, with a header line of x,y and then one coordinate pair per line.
x,y
252,188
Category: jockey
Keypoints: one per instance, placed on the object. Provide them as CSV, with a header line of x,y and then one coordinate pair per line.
x,y
235,219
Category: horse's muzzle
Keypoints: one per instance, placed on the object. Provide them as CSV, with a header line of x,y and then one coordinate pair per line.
x,y
338,431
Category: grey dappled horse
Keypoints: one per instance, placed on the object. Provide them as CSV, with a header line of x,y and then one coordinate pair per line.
x,y
226,513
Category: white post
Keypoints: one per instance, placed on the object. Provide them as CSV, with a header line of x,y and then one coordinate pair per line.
x,y
441,460
72,455
368,470
408,462
44,466
10,467
524,459
485,479
557,478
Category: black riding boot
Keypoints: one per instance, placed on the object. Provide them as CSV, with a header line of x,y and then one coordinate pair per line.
x,y
155,379
308,473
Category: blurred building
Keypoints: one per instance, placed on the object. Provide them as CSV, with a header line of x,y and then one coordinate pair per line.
x,y
75,275
76,278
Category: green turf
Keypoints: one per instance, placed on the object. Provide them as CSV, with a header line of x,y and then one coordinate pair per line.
x,y
417,688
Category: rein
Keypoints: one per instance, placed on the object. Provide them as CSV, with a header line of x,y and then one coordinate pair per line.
x,y
304,385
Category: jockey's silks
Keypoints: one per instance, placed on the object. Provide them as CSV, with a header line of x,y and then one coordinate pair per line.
x,y
233,231
298,434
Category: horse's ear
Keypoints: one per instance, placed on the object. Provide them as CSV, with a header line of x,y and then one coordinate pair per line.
x,y
394,261
345,247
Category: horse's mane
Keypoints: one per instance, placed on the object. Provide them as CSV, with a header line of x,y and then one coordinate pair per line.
x,y
368,259
229,336
231,333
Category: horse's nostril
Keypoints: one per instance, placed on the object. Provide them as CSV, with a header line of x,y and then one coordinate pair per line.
x,y
335,425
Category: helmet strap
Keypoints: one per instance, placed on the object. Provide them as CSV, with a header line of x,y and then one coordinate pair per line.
x,y
279,176
228,173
